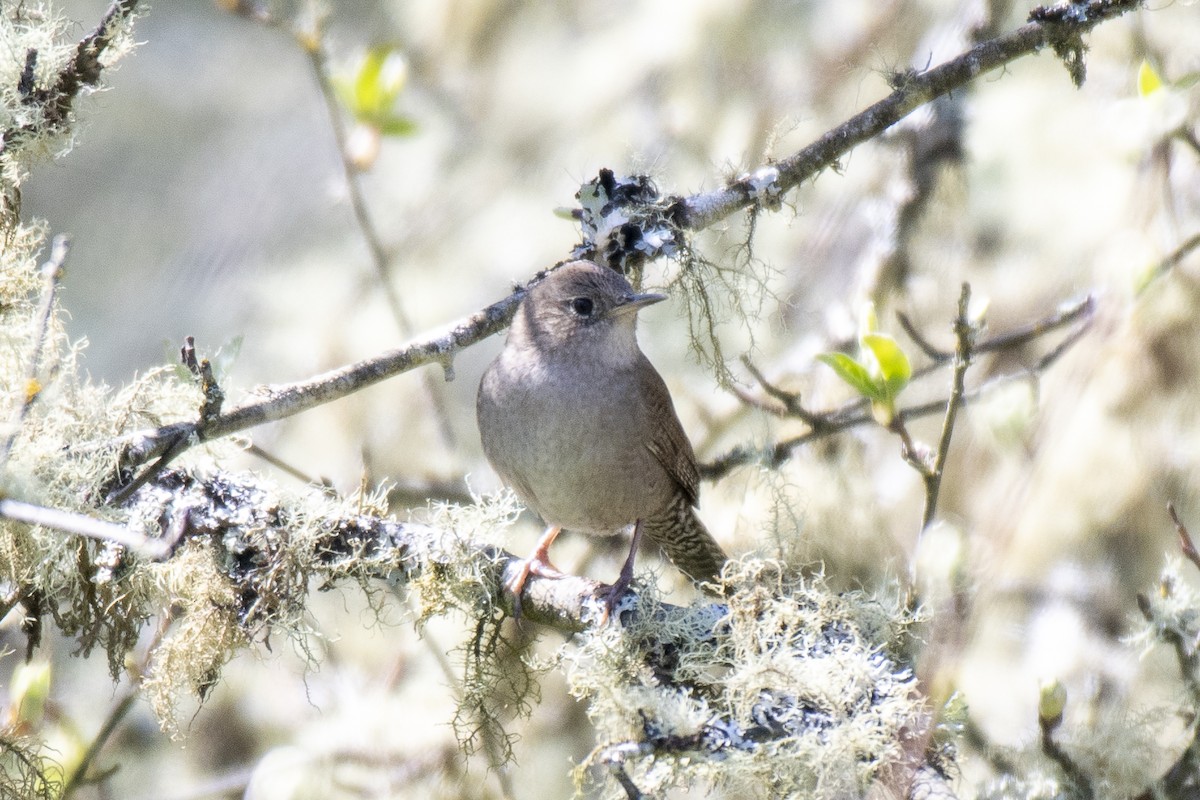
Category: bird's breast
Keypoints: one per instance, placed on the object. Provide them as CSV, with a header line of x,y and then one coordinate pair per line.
x,y
570,439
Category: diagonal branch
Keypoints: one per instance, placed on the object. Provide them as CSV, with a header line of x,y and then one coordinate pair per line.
x,y
1058,27
284,400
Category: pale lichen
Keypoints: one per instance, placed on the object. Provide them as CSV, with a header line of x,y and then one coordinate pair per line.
x,y
790,687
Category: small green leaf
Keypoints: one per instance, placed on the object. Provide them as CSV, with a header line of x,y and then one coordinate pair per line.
x,y
380,80
1148,81
895,370
372,88
397,125
853,373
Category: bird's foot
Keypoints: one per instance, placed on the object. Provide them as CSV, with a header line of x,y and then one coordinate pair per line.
x,y
537,564
612,595
614,592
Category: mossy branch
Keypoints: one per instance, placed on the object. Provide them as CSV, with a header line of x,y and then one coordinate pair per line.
x,y
82,70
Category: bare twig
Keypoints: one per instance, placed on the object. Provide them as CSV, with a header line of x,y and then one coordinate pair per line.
x,y
52,272
1177,255
1074,773
89,527
214,396
934,354
792,406
964,332
136,671
856,412
1186,545
80,776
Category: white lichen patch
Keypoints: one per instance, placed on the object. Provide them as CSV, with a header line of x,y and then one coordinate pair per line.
x,y
790,688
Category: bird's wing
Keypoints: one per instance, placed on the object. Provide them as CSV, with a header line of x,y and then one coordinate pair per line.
x,y
667,441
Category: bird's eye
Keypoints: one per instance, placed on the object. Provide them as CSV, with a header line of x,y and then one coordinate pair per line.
x,y
582,306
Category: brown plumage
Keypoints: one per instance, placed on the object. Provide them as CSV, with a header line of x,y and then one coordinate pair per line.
x,y
577,421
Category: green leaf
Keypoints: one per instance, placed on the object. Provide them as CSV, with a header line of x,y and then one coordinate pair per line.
x,y
380,80
853,373
397,125
372,89
895,370
1148,81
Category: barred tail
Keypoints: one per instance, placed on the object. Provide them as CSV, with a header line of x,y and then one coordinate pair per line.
x,y
685,540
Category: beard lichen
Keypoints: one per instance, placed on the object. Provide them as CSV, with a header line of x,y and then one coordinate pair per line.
x,y
790,688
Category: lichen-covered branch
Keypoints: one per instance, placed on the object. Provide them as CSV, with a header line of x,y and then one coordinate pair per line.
x,y
1058,27
84,69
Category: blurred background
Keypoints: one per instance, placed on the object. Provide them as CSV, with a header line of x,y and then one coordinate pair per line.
x,y
206,196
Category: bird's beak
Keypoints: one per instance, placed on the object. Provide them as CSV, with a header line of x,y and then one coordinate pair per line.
x,y
631,303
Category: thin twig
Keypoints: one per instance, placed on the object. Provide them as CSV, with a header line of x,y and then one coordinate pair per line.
x,y
380,259
136,671
792,405
1081,310
1176,256
856,412
52,272
964,333
290,469
1074,773
931,352
1186,545
89,527
80,775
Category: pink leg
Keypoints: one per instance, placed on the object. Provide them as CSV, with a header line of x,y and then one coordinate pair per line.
x,y
625,579
538,564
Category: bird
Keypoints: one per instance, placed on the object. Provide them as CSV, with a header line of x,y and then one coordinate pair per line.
x,y
580,425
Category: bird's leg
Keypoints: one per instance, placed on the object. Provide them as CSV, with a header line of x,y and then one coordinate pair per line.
x,y
538,563
625,579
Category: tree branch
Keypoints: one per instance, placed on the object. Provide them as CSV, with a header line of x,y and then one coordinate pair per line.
x,y
282,401
82,70
1059,27
856,412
